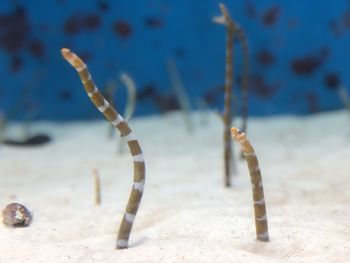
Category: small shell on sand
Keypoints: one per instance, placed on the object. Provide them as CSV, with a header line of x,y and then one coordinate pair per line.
x,y
16,215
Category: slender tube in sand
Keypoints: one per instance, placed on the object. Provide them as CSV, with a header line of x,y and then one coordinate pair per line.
x,y
97,184
262,232
180,93
131,102
117,121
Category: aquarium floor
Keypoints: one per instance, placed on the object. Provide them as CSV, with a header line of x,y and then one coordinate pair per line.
x,y
186,214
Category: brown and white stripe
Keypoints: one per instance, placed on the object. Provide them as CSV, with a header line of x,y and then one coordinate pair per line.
x,y
262,232
117,121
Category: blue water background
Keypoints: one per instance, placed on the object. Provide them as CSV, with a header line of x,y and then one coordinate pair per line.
x,y
299,54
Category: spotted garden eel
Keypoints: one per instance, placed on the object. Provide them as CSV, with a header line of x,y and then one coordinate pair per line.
x,y
117,121
245,75
227,117
262,232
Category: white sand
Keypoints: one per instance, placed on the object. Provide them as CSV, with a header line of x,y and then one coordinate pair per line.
x,y
186,214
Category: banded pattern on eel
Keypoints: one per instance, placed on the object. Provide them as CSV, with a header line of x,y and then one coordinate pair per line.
x,y
227,116
262,232
117,121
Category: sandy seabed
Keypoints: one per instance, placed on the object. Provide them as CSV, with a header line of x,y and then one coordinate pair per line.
x,y
186,214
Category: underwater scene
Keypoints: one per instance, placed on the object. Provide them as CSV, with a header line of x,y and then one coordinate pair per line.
x,y
174,131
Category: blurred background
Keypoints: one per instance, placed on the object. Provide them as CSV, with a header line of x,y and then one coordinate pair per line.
x,y
299,54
